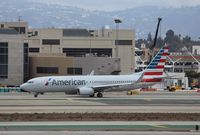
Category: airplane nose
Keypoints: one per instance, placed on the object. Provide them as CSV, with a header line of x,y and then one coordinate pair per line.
x,y
23,87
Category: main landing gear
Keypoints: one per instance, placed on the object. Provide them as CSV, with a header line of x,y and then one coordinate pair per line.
x,y
92,95
99,95
37,93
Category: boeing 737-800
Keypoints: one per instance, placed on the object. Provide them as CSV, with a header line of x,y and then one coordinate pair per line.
x,y
91,84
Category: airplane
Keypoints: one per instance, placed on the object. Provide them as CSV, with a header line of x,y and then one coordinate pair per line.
x,y
91,84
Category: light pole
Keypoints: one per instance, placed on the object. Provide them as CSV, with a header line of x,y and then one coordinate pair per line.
x,y
117,22
90,45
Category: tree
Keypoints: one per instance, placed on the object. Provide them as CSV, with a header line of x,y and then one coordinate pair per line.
x,y
175,41
149,38
192,74
187,42
169,36
186,39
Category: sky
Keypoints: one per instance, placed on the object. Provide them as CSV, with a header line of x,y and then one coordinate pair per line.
x,y
110,5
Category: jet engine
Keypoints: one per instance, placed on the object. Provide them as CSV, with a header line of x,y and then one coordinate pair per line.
x,y
86,91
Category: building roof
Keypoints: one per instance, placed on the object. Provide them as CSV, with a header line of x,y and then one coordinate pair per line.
x,y
185,58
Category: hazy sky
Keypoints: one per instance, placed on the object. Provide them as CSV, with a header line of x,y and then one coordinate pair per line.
x,y
109,5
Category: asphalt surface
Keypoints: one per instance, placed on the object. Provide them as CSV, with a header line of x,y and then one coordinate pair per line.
x,y
176,102
166,102
96,133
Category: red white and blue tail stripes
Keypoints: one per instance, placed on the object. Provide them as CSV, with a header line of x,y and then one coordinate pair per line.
x,y
156,68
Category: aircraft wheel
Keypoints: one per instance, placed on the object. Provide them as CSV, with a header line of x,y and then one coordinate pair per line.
x,y
36,95
92,95
99,95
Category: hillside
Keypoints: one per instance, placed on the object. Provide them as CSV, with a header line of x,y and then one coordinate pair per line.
x,y
183,20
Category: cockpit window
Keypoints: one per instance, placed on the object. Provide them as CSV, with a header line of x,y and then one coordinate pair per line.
x,y
30,82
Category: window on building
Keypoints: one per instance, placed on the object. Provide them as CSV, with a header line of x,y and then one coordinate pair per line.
x,y
74,71
36,33
3,60
81,52
195,51
20,30
26,63
3,71
2,25
34,50
47,70
51,42
3,50
123,42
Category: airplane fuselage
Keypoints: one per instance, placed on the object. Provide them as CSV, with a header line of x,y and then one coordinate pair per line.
x,y
70,84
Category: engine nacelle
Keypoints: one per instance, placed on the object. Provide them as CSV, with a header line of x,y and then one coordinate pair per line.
x,y
85,91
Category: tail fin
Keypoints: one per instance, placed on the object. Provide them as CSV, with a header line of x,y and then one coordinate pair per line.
x,y
154,71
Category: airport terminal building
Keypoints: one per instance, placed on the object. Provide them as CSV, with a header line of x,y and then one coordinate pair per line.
x,y
26,53
13,54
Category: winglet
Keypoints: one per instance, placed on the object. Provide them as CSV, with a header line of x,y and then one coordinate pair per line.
x,y
92,73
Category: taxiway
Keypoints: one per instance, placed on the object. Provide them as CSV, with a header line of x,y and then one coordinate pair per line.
x,y
175,102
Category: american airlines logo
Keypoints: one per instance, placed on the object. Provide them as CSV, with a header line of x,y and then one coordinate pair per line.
x,y
47,82
64,82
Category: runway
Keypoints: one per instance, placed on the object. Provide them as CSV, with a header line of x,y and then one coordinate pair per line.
x,y
175,102
55,103
96,133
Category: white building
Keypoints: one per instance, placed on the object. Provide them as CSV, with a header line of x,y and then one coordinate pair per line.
x,y
196,49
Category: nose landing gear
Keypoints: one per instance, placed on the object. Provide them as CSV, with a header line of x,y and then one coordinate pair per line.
x,y
36,95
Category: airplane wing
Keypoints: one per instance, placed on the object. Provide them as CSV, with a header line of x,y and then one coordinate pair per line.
x,y
165,77
110,85
106,86
118,84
